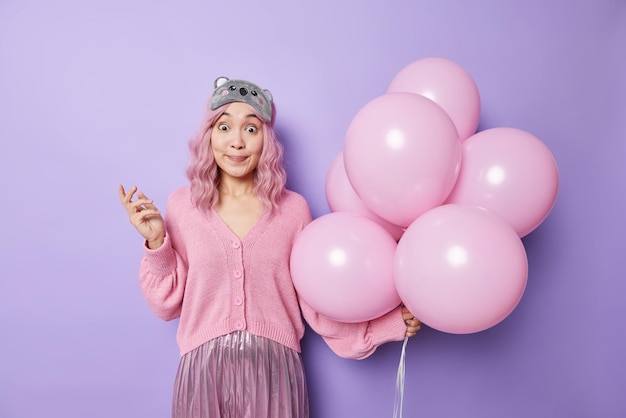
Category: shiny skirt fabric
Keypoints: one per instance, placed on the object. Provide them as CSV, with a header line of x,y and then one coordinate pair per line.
x,y
240,375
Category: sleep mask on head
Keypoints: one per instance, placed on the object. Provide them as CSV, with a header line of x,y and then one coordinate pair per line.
x,y
229,91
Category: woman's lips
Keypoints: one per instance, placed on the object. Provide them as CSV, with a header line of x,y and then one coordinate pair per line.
x,y
237,158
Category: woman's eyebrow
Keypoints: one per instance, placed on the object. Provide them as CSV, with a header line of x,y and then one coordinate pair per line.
x,y
251,115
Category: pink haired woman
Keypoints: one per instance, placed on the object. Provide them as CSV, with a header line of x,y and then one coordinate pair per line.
x,y
220,263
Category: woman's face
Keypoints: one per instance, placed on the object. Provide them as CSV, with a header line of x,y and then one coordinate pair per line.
x,y
237,141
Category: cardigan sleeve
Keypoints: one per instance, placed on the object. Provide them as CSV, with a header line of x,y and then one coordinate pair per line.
x,y
356,340
162,278
163,271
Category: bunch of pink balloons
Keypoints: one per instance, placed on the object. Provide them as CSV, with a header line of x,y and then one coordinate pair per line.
x,y
426,211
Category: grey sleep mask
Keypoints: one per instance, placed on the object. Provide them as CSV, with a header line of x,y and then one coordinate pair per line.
x,y
229,91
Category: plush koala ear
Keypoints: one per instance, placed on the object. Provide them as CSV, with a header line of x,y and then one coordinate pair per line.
x,y
220,81
268,94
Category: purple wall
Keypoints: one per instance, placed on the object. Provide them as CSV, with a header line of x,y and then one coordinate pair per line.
x,y
93,94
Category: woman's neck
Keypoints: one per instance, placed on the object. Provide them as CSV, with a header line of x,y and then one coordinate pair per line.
x,y
236,187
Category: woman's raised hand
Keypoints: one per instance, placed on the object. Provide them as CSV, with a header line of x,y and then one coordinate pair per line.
x,y
144,216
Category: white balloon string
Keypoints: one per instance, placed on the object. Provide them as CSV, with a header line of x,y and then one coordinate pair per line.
x,y
397,407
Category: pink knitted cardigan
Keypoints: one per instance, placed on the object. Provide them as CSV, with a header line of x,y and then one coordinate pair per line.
x,y
217,283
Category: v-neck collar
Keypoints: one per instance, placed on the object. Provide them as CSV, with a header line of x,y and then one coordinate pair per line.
x,y
254,231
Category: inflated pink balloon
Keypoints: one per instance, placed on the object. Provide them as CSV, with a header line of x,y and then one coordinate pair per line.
x,y
460,269
341,197
342,266
447,84
511,173
402,156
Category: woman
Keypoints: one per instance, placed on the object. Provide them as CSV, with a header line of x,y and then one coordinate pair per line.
x,y
221,264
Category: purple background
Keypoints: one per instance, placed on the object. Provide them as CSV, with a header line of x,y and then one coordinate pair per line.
x,y
93,94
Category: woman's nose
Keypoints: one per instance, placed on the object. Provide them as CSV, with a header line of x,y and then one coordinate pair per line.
x,y
237,141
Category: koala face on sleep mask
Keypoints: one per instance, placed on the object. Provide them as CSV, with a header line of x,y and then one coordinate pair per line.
x,y
229,91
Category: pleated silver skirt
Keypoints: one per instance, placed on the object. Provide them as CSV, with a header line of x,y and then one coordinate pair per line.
x,y
240,375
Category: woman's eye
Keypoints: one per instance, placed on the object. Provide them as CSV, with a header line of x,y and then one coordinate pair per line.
x,y
222,127
251,129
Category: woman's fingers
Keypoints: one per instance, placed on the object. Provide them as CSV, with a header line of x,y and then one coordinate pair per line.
x,y
406,314
143,214
413,326
148,203
141,204
121,192
126,196
412,323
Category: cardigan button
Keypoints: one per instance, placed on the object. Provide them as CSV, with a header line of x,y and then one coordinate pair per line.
x,y
236,244
239,324
238,300
237,274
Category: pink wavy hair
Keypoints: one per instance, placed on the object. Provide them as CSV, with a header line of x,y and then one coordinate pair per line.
x,y
204,175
